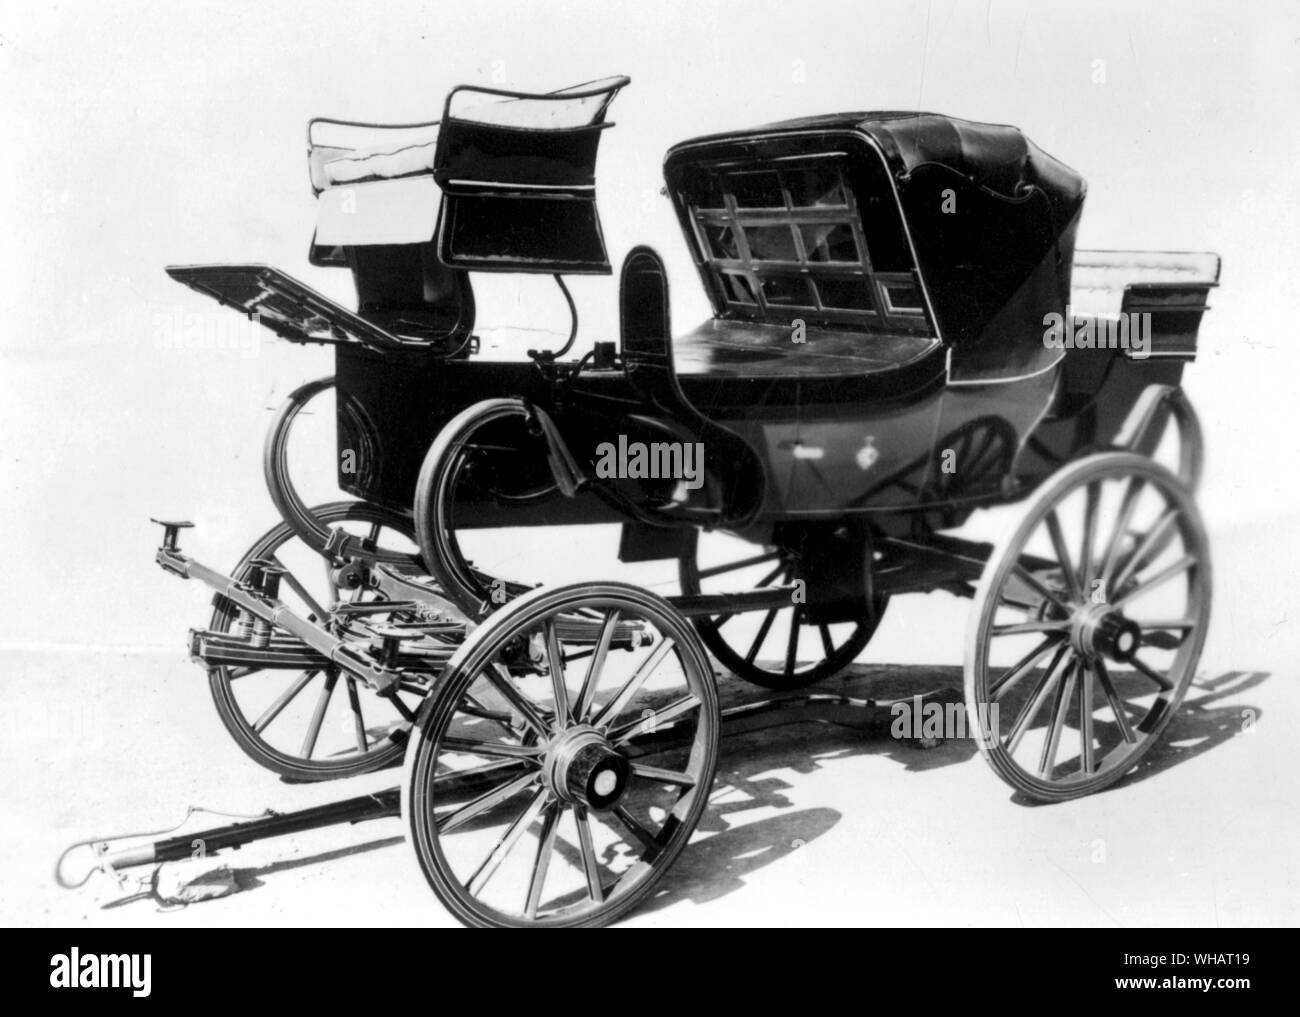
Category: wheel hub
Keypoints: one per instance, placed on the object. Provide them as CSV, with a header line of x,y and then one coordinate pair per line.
x,y
1104,631
583,768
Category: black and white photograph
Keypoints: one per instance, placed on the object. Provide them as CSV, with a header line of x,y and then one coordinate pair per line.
x,y
700,463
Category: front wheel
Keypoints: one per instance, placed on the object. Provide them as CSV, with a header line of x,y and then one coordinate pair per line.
x,y
564,760
313,723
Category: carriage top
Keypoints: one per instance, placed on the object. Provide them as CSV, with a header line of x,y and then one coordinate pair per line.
x,y
897,242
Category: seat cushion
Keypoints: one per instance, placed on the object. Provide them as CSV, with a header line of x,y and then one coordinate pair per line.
x,y
381,162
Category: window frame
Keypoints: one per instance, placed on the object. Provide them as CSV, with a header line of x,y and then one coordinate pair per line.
x,y
879,312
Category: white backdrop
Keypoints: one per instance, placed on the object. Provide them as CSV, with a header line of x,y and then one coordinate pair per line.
x,y
139,135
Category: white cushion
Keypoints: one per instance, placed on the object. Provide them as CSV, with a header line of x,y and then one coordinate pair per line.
x,y
381,162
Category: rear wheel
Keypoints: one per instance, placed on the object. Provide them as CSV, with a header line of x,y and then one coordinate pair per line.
x,y
777,648
1087,626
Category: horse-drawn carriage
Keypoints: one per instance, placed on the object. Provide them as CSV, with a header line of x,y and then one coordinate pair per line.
x,y
902,333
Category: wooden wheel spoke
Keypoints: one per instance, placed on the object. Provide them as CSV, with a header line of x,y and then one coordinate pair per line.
x,y
654,720
1128,503
283,700
792,645
1064,689
498,676
650,846
407,713
590,864
768,579
473,773
591,682
1160,679
484,802
493,750
828,644
476,883
661,776
1032,581
559,687
1086,551
1086,761
1021,667
1148,546
296,585
763,630
474,708
1035,702
1024,628
1063,554
542,863
630,688
1163,576
1116,704
318,717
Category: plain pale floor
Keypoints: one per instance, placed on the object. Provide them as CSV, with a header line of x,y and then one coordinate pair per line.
x,y
815,824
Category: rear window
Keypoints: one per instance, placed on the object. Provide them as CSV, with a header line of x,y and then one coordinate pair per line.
x,y
790,240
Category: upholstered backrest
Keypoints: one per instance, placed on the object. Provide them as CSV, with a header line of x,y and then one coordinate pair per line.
x,y
518,176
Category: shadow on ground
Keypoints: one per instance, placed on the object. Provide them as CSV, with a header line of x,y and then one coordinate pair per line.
x,y
754,766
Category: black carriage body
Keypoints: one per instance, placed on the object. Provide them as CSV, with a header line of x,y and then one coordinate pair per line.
x,y
882,285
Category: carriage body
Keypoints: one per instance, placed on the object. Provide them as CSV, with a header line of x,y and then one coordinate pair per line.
x,y
882,287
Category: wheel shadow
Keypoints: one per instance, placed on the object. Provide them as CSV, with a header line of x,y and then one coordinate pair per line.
x,y
1202,723
246,878
754,819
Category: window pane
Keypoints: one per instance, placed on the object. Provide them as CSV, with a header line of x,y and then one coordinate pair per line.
x,y
849,294
902,297
816,186
757,190
738,289
830,242
722,241
787,290
771,243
